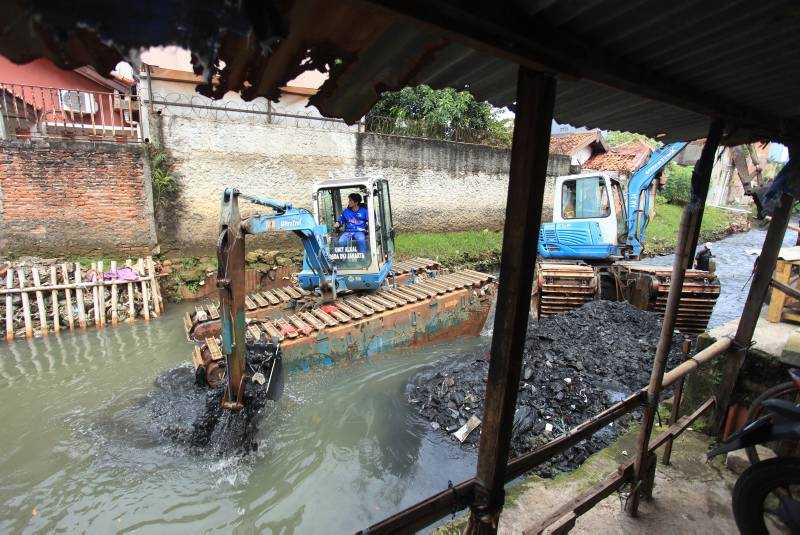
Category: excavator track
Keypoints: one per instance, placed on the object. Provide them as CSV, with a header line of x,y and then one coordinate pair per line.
x,y
421,310
562,287
648,288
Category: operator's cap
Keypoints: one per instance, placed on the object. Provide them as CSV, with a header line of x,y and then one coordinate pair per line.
x,y
707,245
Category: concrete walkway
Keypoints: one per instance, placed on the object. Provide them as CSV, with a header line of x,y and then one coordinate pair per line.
x,y
691,496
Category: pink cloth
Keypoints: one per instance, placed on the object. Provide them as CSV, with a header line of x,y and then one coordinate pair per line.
x,y
123,274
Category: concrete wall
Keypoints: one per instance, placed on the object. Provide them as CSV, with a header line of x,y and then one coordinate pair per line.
x,y
58,197
435,185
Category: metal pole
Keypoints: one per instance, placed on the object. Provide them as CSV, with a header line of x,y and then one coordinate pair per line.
x,y
764,269
689,225
534,115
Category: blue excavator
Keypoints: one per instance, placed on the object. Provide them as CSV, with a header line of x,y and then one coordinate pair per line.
x,y
598,228
332,264
594,221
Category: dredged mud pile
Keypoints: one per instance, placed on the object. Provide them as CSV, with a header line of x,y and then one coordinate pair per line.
x,y
192,416
574,366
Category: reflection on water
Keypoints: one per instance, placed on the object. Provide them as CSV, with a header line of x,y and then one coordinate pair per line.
x,y
734,268
82,451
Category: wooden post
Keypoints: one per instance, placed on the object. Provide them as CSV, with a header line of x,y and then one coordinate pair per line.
x,y
677,397
54,299
131,305
158,303
9,303
145,293
783,271
695,236
68,295
114,317
690,223
529,154
95,304
752,307
26,305
101,293
79,297
37,282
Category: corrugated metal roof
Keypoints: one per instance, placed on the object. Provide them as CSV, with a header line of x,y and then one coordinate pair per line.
x,y
649,66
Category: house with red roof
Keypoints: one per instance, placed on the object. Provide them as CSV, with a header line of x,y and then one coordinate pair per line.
x,y
621,161
38,99
579,146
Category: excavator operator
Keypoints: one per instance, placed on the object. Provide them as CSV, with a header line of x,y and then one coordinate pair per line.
x,y
354,220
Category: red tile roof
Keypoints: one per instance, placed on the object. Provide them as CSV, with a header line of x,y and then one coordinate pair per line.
x,y
569,144
626,158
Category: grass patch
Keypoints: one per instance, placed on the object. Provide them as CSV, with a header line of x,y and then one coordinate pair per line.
x,y
472,247
662,233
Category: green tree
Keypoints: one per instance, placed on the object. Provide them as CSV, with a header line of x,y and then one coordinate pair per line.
x,y
440,114
678,188
616,138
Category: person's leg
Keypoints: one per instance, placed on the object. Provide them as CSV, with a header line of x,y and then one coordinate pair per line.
x,y
344,239
361,242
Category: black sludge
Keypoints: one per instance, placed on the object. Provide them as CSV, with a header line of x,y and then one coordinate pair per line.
x,y
574,366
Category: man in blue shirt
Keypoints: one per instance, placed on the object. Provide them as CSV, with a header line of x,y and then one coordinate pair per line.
x,y
354,219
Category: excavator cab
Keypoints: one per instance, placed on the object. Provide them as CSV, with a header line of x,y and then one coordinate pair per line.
x,y
362,247
588,219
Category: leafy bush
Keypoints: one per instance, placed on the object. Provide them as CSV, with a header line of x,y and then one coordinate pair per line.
x,y
165,185
678,189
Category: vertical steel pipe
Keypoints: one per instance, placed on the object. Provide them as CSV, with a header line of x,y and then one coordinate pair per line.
x,y
690,222
529,154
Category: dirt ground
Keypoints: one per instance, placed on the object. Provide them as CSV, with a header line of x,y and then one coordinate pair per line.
x,y
690,496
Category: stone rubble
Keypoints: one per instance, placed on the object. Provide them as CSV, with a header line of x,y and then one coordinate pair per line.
x,y
574,366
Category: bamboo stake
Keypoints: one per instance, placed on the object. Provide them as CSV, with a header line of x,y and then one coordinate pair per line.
x,y
79,297
95,304
68,293
101,293
131,308
26,305
114,317
9,304
40,300
54,300
145,293
158,304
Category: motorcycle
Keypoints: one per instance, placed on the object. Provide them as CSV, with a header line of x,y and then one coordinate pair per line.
x,y
766,497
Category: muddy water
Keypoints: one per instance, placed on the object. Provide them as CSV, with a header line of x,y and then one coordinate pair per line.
x,y
734,267
83,451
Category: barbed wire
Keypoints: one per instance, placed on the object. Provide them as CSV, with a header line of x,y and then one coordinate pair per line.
x,y
261,111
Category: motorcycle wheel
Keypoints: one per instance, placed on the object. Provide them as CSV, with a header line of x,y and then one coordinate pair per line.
x,y
787,390
767,495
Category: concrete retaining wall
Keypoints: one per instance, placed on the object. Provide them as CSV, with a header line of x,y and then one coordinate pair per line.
x,y
435,185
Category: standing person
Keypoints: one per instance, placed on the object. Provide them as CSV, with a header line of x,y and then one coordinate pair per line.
x,y
354,219
702,260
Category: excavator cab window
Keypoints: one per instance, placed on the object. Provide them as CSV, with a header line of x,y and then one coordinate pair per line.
x,y
349,245
384,231
619,210
584,198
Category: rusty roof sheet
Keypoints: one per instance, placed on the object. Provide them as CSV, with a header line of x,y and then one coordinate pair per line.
x,y
648,66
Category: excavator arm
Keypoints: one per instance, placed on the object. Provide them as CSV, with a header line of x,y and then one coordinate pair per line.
x,y
231,273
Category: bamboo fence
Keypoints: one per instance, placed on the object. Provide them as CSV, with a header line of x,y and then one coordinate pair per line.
x,y
40,300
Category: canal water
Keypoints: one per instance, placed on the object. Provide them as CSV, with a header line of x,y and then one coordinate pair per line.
x,y
82,452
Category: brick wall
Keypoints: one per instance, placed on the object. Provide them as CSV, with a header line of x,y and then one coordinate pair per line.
x,y
58,197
